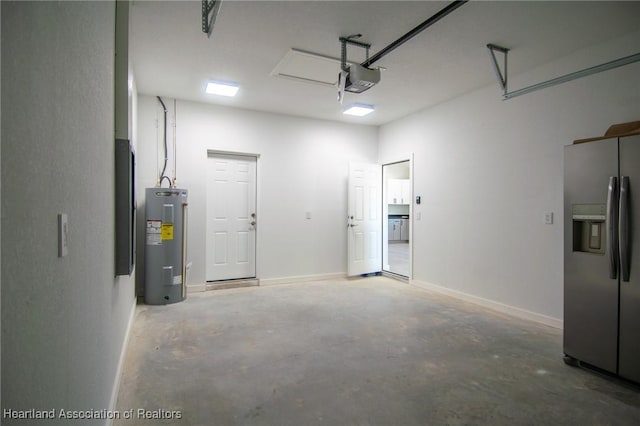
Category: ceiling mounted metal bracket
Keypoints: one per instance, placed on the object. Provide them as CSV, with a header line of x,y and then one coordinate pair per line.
x,y
502,76
210,10
350,40
344,69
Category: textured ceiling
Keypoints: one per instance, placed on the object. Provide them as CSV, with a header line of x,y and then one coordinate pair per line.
x,y
173,57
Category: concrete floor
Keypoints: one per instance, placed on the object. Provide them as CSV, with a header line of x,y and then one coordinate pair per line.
x,y
356,352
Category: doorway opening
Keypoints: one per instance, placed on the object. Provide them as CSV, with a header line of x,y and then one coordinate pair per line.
x,y
396,218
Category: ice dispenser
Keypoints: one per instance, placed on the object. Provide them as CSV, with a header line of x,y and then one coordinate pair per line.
x,y
589,227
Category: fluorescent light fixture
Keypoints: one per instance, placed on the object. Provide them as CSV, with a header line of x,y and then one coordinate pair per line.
x,y
359,110
222,88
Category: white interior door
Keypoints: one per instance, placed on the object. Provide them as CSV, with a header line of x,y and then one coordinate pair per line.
x,y
231,217
364,220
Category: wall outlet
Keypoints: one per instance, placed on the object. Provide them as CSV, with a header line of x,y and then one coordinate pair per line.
x,y
63,230
548,218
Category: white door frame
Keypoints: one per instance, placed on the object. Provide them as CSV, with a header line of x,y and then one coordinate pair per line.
x,y
215,152
385,212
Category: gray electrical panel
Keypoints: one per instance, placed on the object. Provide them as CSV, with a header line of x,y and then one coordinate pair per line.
x,y
125,208
165,245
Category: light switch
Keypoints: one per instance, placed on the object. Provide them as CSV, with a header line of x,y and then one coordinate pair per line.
x,y
308,215
548,218
63,230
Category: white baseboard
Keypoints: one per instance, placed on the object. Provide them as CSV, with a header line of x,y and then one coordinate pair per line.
x,y
200,287
302,278
123,353
196,288
491,304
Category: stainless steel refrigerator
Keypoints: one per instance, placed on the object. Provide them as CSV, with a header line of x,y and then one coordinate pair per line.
x,y
602,255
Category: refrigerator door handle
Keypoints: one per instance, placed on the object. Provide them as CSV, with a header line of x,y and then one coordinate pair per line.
x,y
624,228
612,227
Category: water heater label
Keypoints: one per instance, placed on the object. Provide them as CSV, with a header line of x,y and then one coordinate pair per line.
x,y
154,232
167,231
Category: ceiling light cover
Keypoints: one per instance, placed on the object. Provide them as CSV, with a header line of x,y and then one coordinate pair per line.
x,y
222,88
359,110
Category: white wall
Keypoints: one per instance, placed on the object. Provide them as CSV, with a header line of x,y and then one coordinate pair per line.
x,y
303,167
0,221
64,320
488,169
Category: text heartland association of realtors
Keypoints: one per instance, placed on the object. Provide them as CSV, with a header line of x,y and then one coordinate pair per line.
x,y
140,414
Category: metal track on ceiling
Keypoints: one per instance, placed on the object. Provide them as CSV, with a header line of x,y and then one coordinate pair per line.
x,y
501,73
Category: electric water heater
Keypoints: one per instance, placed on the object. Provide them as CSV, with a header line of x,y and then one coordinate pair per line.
x,y
165,246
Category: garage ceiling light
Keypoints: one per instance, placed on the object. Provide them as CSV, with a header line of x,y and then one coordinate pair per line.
x,y
359,110
222,88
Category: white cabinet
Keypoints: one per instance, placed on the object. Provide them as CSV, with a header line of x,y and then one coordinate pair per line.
x,y
398,229
395,229
405,192
399,191
394,191
404,230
